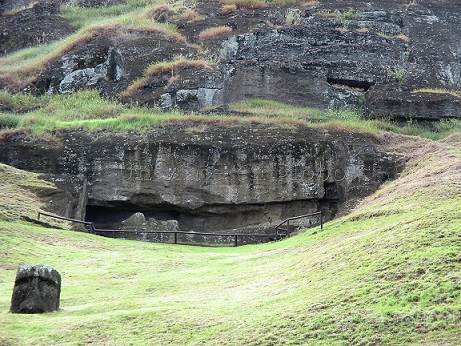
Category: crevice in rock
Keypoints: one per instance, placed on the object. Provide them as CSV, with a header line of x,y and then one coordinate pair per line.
x,y
357,85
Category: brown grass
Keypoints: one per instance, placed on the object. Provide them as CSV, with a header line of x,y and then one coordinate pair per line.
x,y
160,13
403,38
211,33
229,8
170,68
250,4
311,3
164,13
363,30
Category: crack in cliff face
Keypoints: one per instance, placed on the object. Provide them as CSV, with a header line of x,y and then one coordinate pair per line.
x,y
358,85
224,179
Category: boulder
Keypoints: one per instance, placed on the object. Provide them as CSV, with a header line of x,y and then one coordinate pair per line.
x,y
37,289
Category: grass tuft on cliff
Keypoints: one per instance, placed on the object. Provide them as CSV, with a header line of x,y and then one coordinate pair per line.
x,y
388,273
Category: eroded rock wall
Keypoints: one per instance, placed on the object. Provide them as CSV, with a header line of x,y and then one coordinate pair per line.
x,y
371,56
225,178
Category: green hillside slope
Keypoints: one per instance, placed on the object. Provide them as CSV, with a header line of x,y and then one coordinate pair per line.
x,y
388,273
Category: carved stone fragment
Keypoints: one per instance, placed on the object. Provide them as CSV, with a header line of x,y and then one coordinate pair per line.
x,y
37,289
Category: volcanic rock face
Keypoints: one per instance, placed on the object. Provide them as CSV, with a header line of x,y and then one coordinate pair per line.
x,y
225,179
372,56
39,24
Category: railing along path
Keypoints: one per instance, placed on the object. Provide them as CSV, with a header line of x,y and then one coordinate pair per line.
x,y
279,234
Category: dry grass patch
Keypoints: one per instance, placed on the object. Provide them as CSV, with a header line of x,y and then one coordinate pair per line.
x,y
403,38
329,14
250,4
311,3
456,94
229,8
211,33
363,30
165,68
165,13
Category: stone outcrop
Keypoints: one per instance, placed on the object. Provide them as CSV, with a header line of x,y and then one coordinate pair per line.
x,y
37,289
225,178
366,55
39,24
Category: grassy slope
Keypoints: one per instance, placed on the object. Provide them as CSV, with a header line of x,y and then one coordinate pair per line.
x,y
388,273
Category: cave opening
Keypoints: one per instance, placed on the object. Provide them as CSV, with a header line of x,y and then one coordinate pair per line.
x,y
359,85
244,218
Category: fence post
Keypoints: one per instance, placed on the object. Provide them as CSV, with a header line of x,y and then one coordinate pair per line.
x,y
321,220
175,237
236,240
288,228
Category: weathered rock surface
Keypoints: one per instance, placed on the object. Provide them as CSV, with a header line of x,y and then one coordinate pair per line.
x,y
39,24
366,55
68,199
37,289
225,178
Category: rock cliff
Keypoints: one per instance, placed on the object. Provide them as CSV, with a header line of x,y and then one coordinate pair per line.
x,y
398,59
226,178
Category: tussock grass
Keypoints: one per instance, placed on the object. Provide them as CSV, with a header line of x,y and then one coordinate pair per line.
x,y
214,32
388,273
229,8
165,67
250,4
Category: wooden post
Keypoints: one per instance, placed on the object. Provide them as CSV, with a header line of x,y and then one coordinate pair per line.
x,y
236,240
175,237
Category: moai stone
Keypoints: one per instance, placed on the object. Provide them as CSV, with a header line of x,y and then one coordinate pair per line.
x,y
37,289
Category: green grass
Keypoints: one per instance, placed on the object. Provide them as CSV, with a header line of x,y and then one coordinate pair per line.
x,y
388,273
43,117
18,193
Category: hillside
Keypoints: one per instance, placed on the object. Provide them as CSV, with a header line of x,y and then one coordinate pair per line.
x,y
231,116
388,273
386,59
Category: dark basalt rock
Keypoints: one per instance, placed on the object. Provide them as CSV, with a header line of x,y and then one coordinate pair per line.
x,y
33,26
318,60
37,289
224,178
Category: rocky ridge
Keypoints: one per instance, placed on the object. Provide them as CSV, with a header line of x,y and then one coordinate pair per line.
x,y
396,59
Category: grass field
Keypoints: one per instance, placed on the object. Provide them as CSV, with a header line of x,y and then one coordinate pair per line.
x,y
388,273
